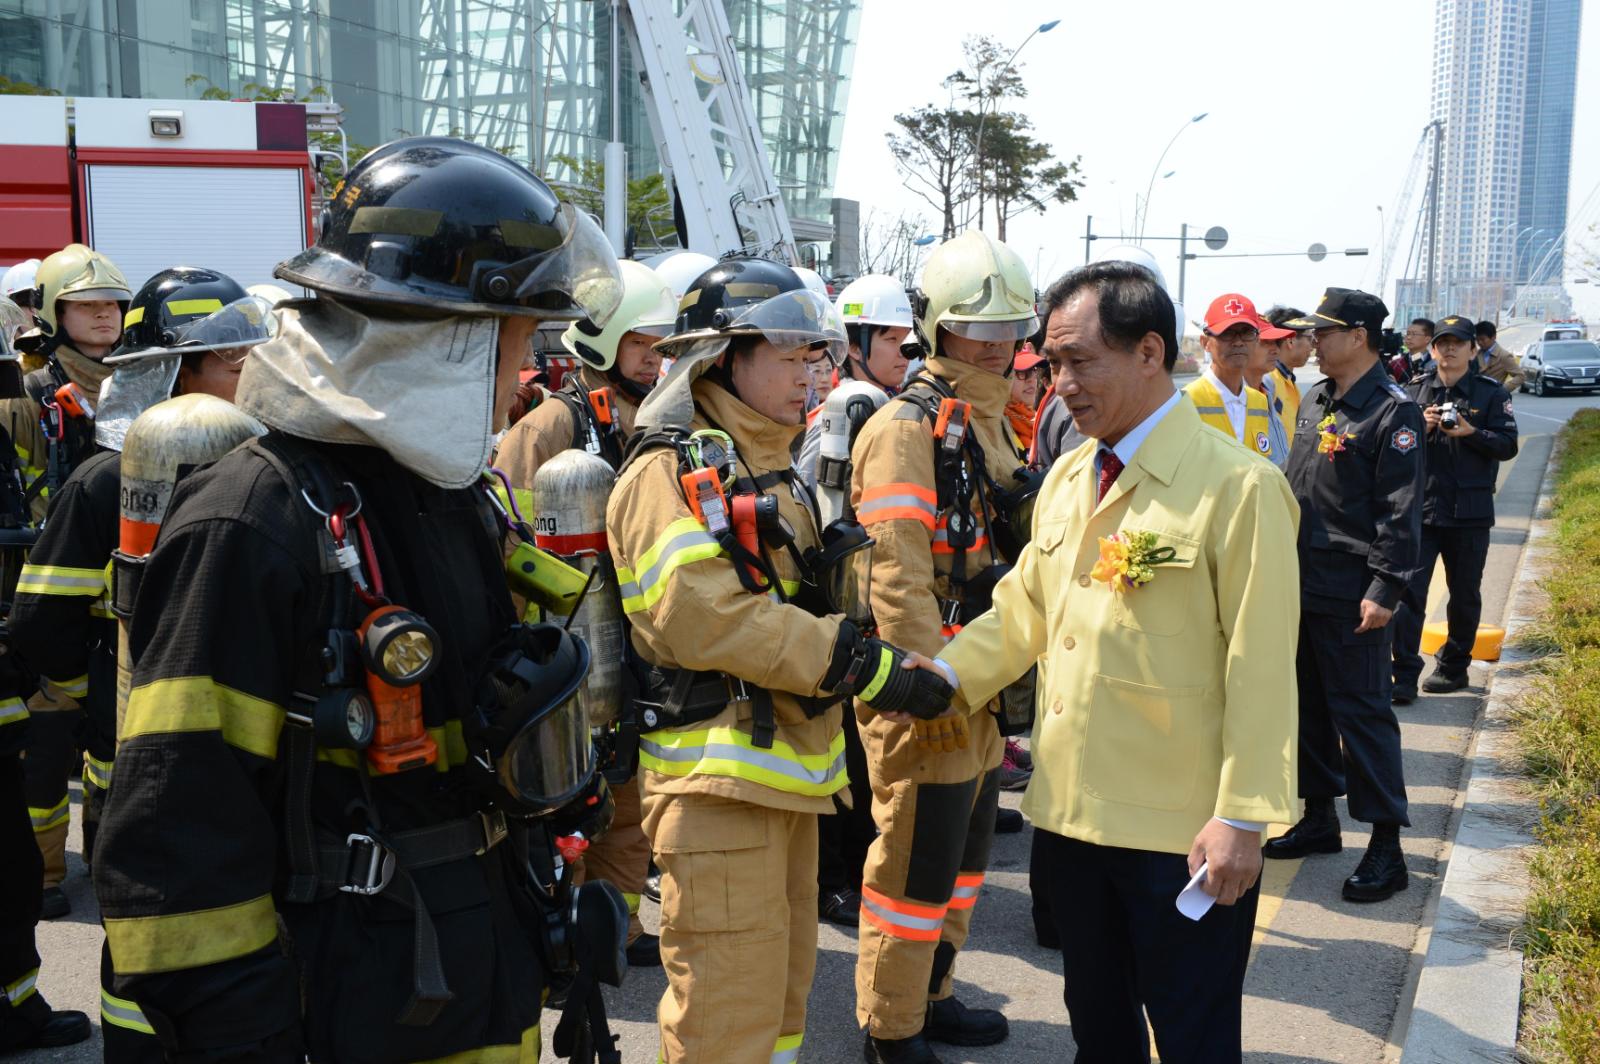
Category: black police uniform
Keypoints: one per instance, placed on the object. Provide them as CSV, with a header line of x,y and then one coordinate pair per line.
x,y
1457,514
206,929
1360,523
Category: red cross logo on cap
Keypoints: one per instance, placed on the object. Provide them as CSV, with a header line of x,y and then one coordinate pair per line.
x,y
1233,307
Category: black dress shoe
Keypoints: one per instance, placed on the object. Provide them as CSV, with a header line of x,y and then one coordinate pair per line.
x,y
842,907
1441,683
652,884
644,951
54,904
951,1022
1314,834
1007,821
64,1028
1403,696
1380,875
913,1050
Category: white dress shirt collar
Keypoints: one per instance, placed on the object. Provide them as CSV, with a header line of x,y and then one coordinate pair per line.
x,y
1129,444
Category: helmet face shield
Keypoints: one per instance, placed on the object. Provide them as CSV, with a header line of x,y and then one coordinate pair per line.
x,y
575,275
794,320
993,331
230,332
13,320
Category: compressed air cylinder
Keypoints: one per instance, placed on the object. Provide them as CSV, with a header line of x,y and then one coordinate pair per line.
x,y
569,501
847,408
187,431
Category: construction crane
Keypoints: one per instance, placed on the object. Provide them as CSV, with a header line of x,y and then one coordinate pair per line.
x,y
701,115
1419,162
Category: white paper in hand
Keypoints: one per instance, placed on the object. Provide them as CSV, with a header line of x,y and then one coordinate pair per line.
x,y
1194,902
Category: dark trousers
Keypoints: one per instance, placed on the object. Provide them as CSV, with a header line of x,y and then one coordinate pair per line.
x,y
1464,550
21,868
1349,737
1127,953
843,839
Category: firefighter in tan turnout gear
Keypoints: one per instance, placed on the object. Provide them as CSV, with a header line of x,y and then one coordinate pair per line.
x,y
594,411
746,616
81,298
932,469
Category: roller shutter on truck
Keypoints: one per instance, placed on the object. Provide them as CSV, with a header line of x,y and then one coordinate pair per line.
x,y
240,220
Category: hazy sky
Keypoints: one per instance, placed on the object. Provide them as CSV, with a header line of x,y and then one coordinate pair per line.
x,y
1314,112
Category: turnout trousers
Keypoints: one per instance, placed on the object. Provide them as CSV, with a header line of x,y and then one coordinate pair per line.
x,y
50,759
1349,737
924,870
738,927
1464,550
22,1010
622,855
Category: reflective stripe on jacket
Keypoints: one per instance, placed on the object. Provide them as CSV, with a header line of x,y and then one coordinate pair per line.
x,y
689,611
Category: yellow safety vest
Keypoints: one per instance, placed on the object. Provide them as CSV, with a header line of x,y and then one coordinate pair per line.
x,y
1208,402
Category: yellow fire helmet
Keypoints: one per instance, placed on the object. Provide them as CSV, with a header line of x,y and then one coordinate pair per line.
x,y
77,273
976,287
647,307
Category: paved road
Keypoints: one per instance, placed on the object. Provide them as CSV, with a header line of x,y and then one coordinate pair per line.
x,y
1329,980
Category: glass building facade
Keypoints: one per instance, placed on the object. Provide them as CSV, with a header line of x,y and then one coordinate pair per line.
x,y
1547,138
528,77
1504,86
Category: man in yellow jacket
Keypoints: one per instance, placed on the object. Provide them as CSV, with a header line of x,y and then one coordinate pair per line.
x,y
1159,596
1221,394
924,468
749,658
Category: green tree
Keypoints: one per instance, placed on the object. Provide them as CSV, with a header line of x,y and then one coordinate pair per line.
x,y
1022,173
933,152
968,152
17,87
649,204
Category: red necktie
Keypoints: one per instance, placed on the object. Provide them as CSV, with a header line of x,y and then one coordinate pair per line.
x,y
1110,467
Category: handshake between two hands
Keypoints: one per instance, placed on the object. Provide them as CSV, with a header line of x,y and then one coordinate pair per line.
x,y
945,732
901,686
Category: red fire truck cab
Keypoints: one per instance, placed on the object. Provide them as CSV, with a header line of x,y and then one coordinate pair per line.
x,y
157,183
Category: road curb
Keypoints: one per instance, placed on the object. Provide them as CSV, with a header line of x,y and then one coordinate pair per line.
x,y
1469,993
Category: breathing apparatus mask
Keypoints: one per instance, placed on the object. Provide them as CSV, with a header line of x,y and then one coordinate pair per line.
x,y
1012,526
530,745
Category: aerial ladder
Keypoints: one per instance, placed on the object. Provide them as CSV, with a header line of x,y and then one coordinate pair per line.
x,y
703,120
1419,162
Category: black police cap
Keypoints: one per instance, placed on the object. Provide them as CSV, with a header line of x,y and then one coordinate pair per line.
x,y
1346,308
1455,325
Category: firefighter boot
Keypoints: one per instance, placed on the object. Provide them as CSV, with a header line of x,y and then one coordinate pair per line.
x,y
913,1050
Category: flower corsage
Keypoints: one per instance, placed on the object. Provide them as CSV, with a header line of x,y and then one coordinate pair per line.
x,y
1330,441
1128,560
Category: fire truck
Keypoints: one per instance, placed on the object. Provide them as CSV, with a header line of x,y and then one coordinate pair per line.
x,y
231,185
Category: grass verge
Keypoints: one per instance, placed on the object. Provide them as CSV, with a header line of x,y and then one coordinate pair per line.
x,y
1559,732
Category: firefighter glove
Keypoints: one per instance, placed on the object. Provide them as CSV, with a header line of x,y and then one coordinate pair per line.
x,y
942,734
873,671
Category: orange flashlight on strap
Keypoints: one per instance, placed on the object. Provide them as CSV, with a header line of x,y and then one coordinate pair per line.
x,y
399,648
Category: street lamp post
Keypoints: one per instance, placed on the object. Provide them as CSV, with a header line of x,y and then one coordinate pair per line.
x,y
983,110
1145,217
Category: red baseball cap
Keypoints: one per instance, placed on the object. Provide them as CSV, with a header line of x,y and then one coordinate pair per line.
x,y
1273,332
1229,310
1026,358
